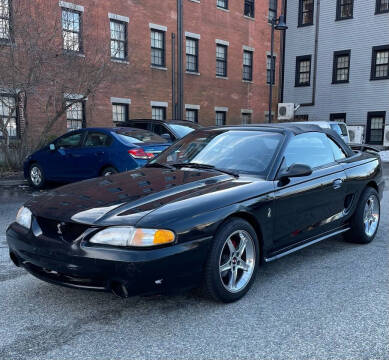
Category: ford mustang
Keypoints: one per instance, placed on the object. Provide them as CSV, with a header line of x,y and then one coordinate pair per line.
x,y
206,212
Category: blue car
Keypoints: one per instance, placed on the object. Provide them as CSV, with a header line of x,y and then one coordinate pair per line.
x,y
93,152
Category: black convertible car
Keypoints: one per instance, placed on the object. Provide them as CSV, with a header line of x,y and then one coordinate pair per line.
x,y
207,211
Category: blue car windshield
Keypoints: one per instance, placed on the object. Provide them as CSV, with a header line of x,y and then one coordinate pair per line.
x,y
182,130
138,136
242,151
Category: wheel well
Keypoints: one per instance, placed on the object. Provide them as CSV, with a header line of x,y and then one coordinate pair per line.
x,y
106,167
254,223
372,184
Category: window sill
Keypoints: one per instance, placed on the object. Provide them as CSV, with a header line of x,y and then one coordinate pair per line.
x,y
381,12
222,77
119,61
340,82
382,78
222,9
304,25
346,18
248,81
248,17
195,1
158,67
192,73
302,85
74,53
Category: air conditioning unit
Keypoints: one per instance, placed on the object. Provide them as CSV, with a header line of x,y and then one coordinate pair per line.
x,y
286,111
386,136
355,134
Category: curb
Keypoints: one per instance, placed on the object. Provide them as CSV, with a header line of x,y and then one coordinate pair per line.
x,y
12,182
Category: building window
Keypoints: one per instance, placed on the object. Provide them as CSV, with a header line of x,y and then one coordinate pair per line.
x,y
249,8
344,9
192,115
221,118
71,30
120,112
158,113
247,65
158,48
338,117
221,60
382,6
306,8
75,115
303,70
5,20
223,4
380,63
375,127
301,117
341,67
272,10
8,115
246,118
270,75
192,55
119,49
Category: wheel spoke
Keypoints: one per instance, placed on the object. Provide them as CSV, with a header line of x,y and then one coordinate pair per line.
x,y
243,265
233,278
231,246
225,267
242,245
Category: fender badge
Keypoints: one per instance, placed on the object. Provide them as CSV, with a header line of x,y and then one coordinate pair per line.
x,y
269,213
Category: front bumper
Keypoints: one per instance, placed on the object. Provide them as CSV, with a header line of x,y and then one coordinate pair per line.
x,y
81,265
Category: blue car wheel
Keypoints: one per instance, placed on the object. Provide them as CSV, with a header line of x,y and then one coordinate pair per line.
x,y
36,176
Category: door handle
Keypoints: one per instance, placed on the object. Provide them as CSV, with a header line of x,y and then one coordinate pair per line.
x,y
337,184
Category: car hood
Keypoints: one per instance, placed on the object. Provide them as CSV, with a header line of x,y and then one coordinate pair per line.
x,y
126,197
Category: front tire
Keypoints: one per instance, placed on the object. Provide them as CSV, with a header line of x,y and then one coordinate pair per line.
x,y
109,171
233,261
36,177
365,221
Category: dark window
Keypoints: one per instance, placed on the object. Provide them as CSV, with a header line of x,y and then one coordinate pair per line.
x,y
141,125
310,149
157,48
5,20
159,113
380,63
272,10
8,115
192,115
71,30
344,9
249,8
382,6
248,65
338,152
75,115
69,141
341,67
301,117
338,117
306,8
375,127
192,55
270,75
223,4
303,70
97,139
119,48
221,60
246,118
221,118
120,113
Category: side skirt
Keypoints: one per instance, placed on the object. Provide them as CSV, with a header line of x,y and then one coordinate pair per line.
x,y
309,243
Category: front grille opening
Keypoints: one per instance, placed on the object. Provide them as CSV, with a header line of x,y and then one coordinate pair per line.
x,y
67,231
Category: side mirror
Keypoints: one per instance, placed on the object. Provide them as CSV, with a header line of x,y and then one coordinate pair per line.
x,y
296,170
166,137
52,147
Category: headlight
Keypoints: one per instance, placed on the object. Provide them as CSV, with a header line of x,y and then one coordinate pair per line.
x,y
130,236
24,217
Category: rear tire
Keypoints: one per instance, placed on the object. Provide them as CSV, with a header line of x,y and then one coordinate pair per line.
x,y
36,177
365,221
109,171
233,261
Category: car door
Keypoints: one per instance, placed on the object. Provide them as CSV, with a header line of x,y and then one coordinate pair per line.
x,y
61,162
312,205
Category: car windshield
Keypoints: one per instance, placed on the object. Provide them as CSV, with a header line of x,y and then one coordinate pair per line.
x,y
136,136
341,129
242,151
182,130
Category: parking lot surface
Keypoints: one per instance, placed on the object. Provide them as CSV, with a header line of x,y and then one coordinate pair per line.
x,y
328,301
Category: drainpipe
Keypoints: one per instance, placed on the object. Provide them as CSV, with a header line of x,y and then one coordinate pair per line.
x,y
180,75
174,105
284,9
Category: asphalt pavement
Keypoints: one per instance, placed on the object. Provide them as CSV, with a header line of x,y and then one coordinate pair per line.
x,y
328,301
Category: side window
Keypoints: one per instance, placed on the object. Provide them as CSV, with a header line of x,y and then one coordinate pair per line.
x,y
310,149
69,141
96,139
160,129
337,150
141,125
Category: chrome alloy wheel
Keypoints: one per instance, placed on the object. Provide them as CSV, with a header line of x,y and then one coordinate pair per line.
x,y
371,215
237,261
36,175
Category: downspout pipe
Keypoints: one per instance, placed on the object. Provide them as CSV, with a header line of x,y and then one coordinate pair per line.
x,y
180,74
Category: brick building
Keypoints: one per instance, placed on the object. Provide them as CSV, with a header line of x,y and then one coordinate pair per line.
x,y
225,59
